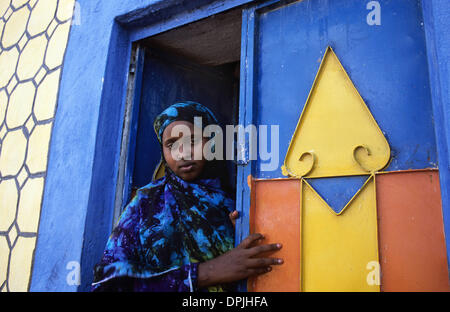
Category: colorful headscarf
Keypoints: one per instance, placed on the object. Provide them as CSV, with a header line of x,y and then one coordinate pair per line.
x,y
185,111
170,222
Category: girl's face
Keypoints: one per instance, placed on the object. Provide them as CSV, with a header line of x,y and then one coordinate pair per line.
x,y
180,144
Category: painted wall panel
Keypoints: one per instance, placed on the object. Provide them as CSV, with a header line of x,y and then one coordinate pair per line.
x,y
337,249
412,248
437,23
34,36
328,252
276,215
393,81
323,251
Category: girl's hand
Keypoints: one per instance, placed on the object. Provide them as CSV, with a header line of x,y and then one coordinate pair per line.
x,y
238,263
233,216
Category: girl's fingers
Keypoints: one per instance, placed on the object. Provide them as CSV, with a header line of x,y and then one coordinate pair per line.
x,y
264,262
250,240
264,248
234,215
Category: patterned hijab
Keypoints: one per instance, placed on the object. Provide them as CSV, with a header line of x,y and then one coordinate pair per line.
x,y
170,222
185,111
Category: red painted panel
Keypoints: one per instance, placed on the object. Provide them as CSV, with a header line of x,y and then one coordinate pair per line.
x,y
275,213
411,235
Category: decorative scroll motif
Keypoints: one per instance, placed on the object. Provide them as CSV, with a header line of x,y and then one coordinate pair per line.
x,y
306,167
338,127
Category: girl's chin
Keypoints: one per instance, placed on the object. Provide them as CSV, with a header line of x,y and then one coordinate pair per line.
x,y
188,176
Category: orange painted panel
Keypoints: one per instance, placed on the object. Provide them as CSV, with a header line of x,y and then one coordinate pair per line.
x,y
411,235
275,213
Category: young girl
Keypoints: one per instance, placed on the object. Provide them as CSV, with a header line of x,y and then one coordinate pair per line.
x,y
177,233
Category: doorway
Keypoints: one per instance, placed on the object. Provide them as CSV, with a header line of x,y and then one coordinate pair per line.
x,y
197,62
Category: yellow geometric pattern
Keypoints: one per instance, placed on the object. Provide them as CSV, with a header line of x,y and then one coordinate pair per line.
x,y
337,249
33,40
337,136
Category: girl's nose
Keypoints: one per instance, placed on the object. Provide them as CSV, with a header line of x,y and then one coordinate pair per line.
x,y
184,152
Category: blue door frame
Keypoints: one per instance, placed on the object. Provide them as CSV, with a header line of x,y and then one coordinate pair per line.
x,y
80,188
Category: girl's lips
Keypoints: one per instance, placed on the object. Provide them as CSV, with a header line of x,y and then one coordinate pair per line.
x,y
186,168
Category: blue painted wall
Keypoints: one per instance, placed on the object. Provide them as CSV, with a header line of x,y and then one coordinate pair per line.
x,y
77,209
88,93
437,24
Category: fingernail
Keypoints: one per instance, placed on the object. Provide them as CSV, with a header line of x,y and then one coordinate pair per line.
x,y
280,261
278,245
269,269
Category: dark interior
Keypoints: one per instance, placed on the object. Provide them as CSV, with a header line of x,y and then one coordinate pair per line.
x,y
197,62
